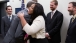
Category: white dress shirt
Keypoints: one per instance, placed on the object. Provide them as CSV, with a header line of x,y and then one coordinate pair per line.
x,y
10,17
37,29
52,13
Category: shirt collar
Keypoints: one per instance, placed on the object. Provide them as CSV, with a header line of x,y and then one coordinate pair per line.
x,y
74,16
54,11
9,15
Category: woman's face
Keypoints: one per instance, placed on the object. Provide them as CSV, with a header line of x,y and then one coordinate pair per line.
x,y
31,8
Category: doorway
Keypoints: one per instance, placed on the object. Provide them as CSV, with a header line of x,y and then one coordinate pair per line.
x,y
2,11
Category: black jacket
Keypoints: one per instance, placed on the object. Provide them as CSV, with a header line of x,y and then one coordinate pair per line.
x,y
71,33
53,26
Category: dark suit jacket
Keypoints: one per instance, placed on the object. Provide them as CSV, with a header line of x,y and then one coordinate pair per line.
x,y
5,24
71,33
53,25
15,34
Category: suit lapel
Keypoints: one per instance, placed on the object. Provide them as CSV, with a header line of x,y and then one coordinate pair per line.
x,y
49,16
71,24
55,14
7,20
12,18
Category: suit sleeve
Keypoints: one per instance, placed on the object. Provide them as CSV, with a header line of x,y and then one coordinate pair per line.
x,y
2,27
58,25
19,30
11,32
34,28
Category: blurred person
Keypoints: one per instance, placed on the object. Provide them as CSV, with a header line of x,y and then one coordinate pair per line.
x,y
6,21
37,29
15,34
71,33
54,22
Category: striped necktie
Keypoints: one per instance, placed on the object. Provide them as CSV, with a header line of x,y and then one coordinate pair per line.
x,y
73,19
51,14
9,18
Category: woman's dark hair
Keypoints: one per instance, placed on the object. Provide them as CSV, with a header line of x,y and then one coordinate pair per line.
x,y
38,10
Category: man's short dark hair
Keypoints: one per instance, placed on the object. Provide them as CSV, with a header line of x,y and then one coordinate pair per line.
x,y
30,3
73,3
7,7
56,2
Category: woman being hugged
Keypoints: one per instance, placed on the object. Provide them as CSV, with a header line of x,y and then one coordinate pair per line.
x,y
37,29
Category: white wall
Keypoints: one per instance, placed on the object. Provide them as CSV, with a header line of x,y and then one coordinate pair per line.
x,y
8,3
62,7
16,4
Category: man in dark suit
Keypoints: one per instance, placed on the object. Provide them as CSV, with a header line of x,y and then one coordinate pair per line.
x,y
6,21
71,33
54,22
15,34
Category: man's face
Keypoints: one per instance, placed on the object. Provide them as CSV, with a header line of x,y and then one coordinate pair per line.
x,y
53,6
70,9
9,10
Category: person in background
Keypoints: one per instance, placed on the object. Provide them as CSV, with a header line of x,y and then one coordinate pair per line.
x,y
6,21
71,33
54,22
15,33
37,29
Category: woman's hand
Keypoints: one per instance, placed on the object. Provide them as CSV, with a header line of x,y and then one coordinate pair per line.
x,y
20,15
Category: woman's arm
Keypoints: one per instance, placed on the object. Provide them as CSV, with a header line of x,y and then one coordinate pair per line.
x,y
34,28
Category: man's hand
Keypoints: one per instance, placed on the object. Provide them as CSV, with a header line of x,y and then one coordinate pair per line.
x,y
47,35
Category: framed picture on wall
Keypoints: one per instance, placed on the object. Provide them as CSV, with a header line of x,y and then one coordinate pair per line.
x,y
17,10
